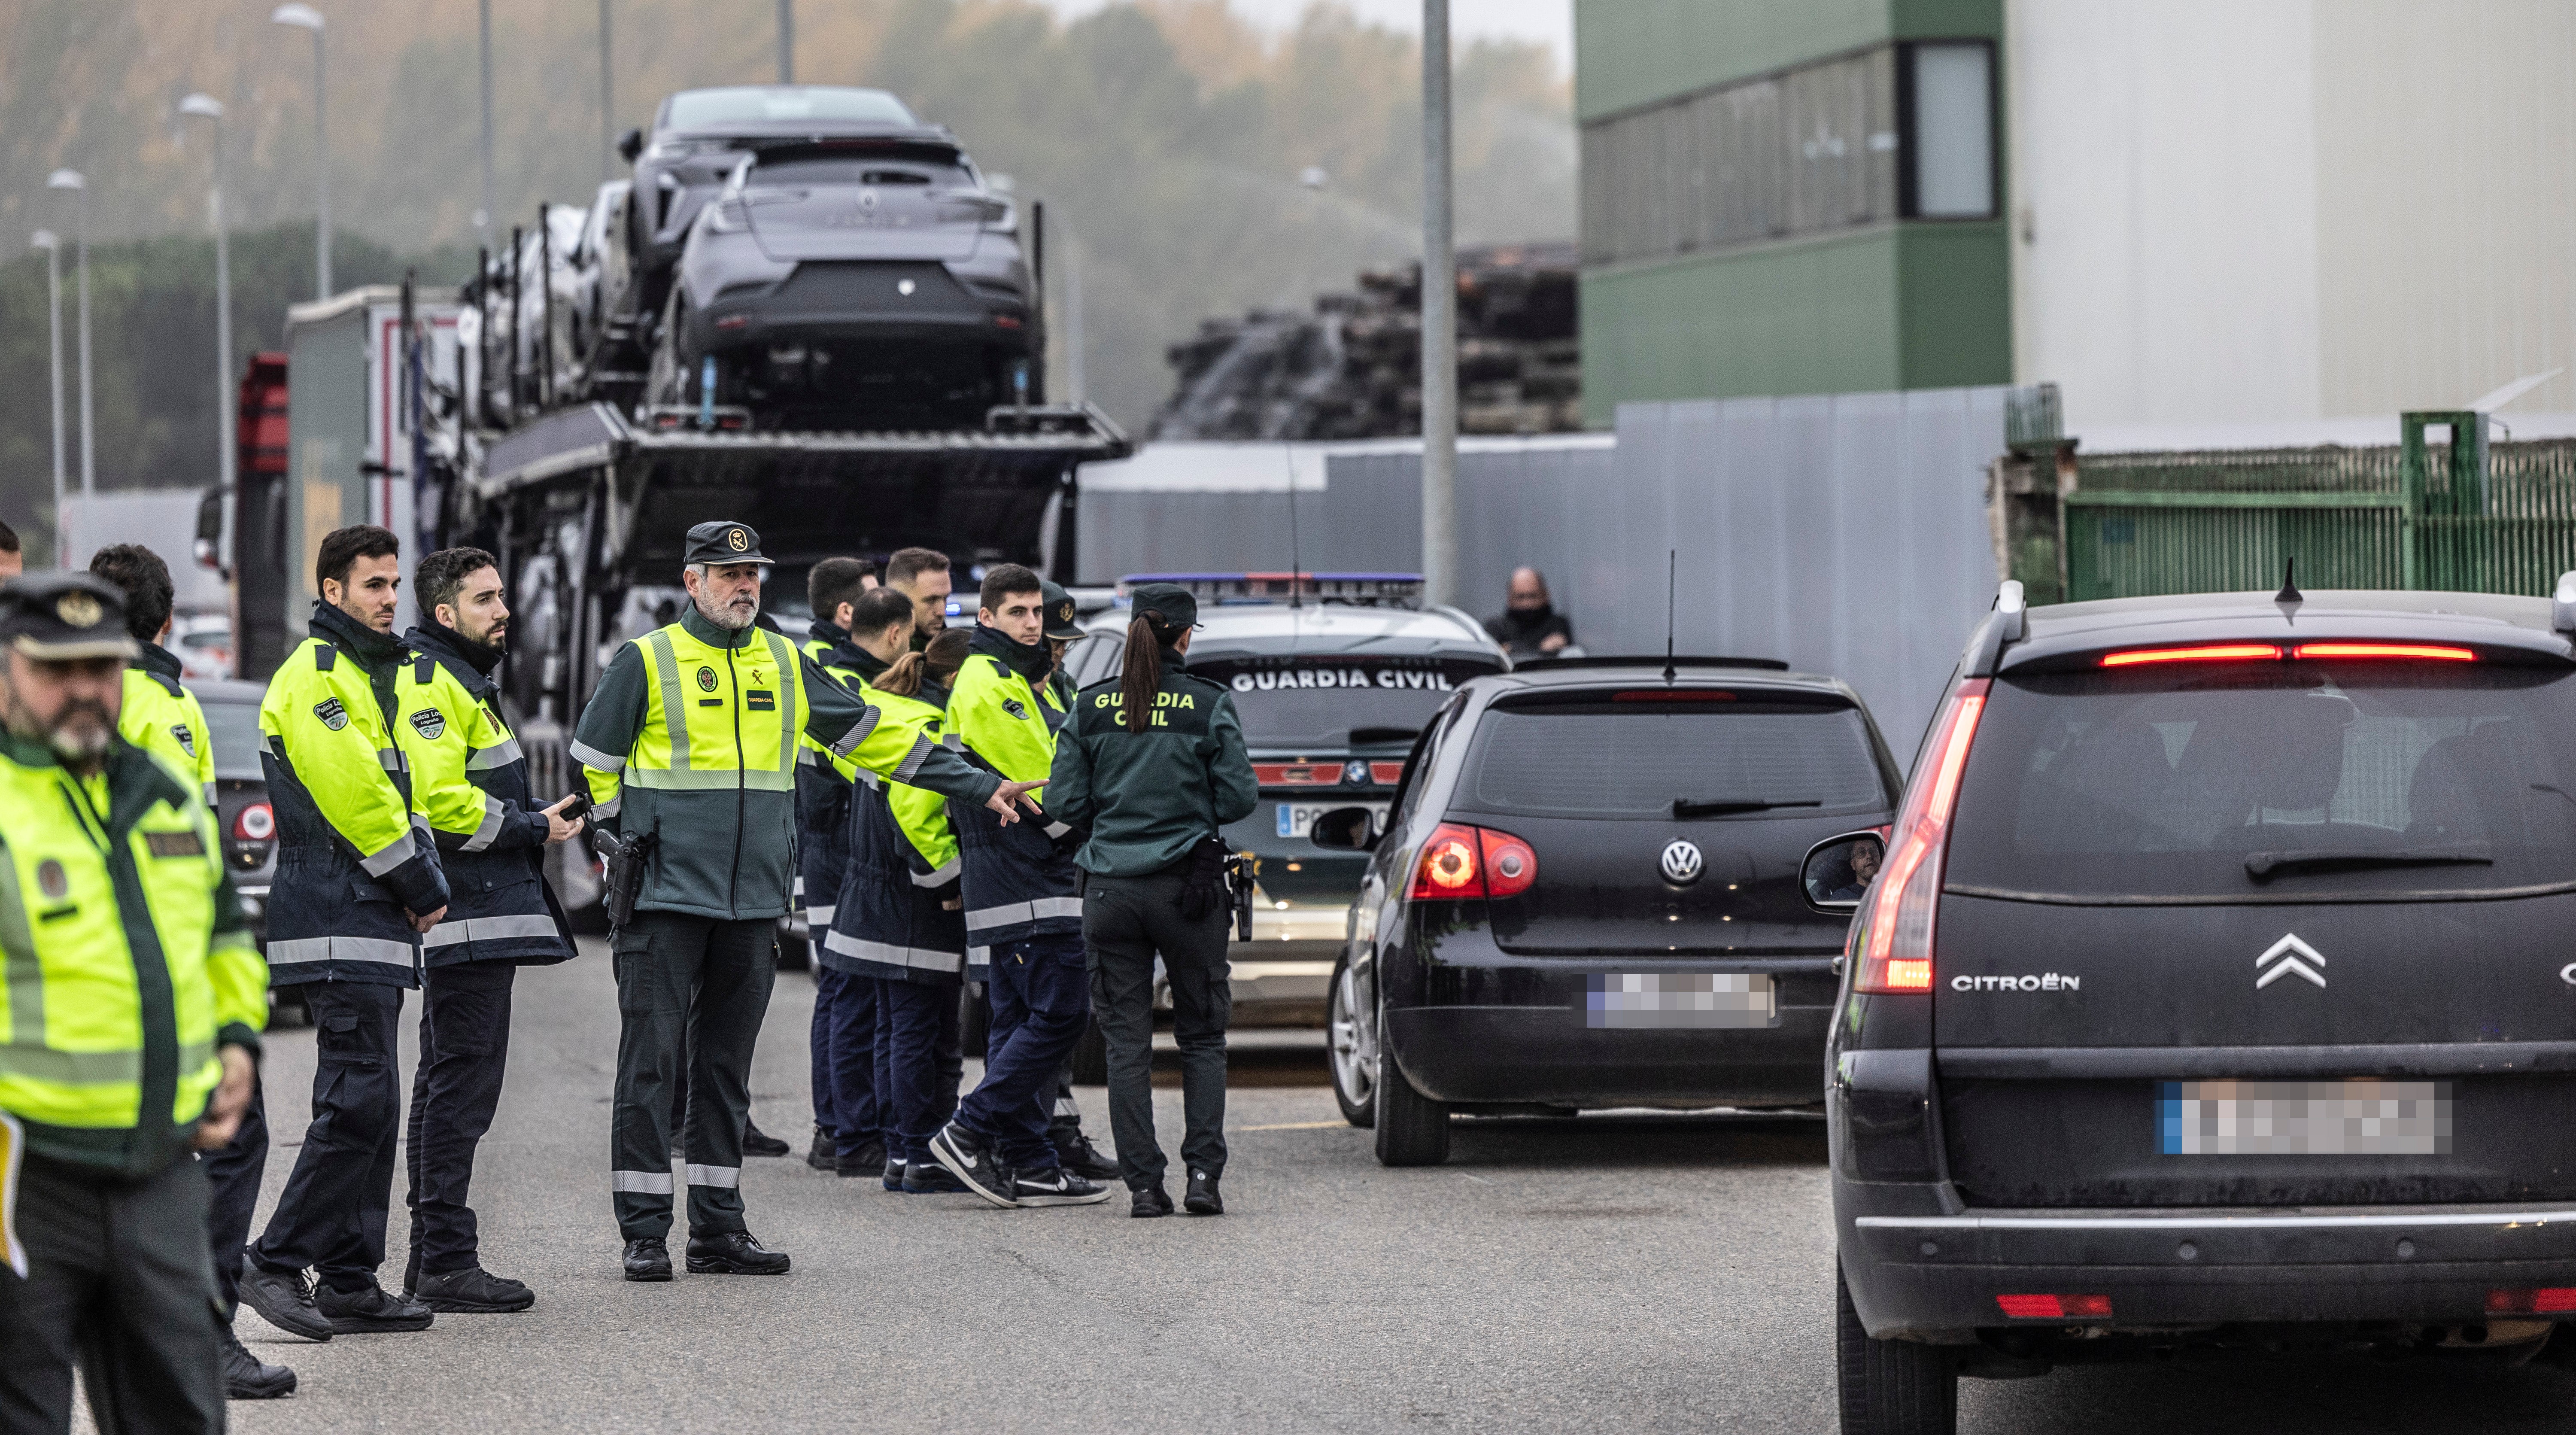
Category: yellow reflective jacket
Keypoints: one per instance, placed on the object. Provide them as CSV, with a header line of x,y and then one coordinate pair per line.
x,y
692,735
165,719
127,962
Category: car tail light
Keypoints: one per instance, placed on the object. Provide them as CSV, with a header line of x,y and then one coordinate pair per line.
x,y
256,822
2549,1300
1297,774
1461,862
2055,1307
2435,652
1386,774
1894,938
1510,866
1449,867
2206,653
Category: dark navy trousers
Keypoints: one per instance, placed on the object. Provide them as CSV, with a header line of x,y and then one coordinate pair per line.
x,y
332,1217
848,1099
920,1062
1041,996
464,1051
232,1180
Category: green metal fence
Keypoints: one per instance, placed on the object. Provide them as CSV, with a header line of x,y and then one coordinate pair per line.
x,y
2443,509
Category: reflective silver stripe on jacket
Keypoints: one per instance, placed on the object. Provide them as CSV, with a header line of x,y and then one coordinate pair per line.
x,y
716,779
888,954
644,1183
488,929
790,674
592,757
608,808
490,827
393,854
1013,913
912,761
490,758
858,733
940,876
210,794
727,1177
340,949
391,759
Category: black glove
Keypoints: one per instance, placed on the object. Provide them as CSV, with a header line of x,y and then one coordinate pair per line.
x,y
1203,889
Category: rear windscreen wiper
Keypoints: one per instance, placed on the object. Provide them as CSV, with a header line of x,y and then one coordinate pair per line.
x,y
1723,806
2260,865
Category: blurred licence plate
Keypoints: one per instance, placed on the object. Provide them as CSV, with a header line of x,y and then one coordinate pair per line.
x,y
1296,819
1644,1000
2360,1117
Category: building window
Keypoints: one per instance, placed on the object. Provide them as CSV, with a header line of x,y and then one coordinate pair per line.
x,y
1949,109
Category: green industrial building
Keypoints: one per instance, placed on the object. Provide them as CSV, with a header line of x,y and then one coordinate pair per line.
x,y
1790,197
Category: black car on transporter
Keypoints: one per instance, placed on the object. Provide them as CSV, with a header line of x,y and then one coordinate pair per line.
x,y
2216,998
1587,896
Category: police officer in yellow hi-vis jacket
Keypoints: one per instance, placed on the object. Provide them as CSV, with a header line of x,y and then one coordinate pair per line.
x,y
358,881
690,745
131,1014
164,719
470,780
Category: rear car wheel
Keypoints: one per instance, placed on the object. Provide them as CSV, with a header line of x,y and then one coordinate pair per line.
x,y
1351,1047
1412,1129
1091,1055
1890,1387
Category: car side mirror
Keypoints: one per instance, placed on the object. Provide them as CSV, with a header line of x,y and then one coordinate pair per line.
x,y
1838,871
1345,829
629,145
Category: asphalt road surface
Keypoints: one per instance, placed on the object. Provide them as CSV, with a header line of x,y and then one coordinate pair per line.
x,y
1603,1273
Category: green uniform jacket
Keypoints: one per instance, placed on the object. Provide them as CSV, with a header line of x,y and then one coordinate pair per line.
x,y
693,734
165,720
127,963
1145,797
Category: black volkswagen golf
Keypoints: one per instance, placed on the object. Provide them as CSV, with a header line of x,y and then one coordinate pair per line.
x,y
2215,998
1586,896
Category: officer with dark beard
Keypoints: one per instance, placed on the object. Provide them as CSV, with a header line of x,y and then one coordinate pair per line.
x,y
471,780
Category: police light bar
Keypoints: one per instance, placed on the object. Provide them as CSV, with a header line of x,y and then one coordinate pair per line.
x,y
1364,589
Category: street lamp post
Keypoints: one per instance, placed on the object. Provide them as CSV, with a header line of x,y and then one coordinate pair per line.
x,y
205,106
483,213
46,240
305,17
1439,320
78,184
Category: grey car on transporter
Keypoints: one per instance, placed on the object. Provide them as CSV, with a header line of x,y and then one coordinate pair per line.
x,y
869,279
1587,897
2215,998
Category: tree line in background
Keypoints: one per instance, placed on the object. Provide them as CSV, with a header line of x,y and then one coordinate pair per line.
x,y
1166,138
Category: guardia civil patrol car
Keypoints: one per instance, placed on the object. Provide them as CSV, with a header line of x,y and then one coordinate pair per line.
x,y
1334,675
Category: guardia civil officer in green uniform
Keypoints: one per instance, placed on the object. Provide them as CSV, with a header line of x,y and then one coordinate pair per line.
x,y
470,780
1151,766
129,1029
164,719
358,882
690,745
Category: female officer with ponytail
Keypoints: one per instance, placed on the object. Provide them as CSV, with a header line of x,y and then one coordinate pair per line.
x,y
1150,766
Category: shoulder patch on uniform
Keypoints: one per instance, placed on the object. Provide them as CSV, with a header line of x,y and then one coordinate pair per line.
x,y
186,739
175,844
334,716
429,723
1015,707
706,680
52,880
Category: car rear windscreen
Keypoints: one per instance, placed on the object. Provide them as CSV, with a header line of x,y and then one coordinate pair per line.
x,y
763,104
2272,781
1315,702
1636,761
235,730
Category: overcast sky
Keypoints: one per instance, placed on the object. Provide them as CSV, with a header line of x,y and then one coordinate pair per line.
x,y
1550,21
